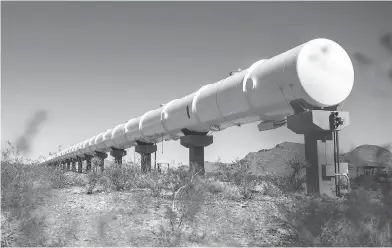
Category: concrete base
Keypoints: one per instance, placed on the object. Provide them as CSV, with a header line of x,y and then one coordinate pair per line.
x,y
101,157
88,162
145,150
196,144
118,154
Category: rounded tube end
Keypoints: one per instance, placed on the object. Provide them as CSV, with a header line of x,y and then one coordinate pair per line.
x,y
325,71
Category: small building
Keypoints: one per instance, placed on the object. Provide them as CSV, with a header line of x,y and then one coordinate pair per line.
x,y
162,166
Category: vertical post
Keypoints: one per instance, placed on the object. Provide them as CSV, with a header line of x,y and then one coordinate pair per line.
x,y
315,125
145,150
155,161
102,157
88,162
118,154
69,165
319,153
196,144
80,164
73,164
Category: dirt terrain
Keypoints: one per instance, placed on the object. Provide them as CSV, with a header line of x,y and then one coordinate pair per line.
x,y
44,206
134,219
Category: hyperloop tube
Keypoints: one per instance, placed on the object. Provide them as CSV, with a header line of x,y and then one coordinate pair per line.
x,y
319,71
119,137
86,150
99,141
107,137
91,145
132,132
151,128
175,116
79,150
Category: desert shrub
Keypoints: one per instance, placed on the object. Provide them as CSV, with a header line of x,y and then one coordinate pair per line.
x,y
56,176
80,180
296,180
21,192
275,185
125,177
24,189
271,189
358,220
188,197
175,178
154,181
118,176
93,178
94,175
215,186
239,174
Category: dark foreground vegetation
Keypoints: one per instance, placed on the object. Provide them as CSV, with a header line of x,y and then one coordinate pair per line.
x,y
229,208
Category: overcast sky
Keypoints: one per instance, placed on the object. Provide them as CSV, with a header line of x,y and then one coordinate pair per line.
x,y
93,65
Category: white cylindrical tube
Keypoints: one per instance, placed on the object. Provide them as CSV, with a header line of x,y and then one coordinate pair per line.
x,y
319,72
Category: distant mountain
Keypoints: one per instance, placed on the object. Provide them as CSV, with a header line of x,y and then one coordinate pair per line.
x,y
370,155
273,160
267,160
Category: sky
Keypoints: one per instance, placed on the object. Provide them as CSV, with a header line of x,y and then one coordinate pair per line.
x,y
90,66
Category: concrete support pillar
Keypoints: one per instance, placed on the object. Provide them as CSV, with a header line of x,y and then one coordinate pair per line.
x,y
80,164
118,154
196,144
319,147
73,164
88,162
69,165
101,157
145,150
319,153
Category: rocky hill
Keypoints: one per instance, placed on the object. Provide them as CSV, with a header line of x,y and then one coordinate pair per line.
x,y
368,155
267,160
273,160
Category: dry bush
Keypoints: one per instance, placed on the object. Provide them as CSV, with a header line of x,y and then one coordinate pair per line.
x,y
215,186
124,177
93,179
362,218
118,176
94,175
358,220
295,182
56,176
24,190
188,197
238,174
154,181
